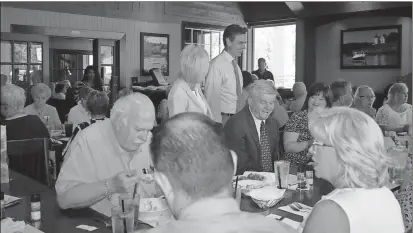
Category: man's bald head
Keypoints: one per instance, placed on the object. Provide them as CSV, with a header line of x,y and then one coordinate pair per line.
x,y
189,149
132,118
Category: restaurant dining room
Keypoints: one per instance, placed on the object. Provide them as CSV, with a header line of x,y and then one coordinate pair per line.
x,y
209,117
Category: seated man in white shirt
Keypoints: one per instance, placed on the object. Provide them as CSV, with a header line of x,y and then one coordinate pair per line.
x,y
109,157
79,113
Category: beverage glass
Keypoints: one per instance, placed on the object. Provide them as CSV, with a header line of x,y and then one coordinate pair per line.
x,y
309,176
281,169
399,157
237,194
68,129
121,219
133,203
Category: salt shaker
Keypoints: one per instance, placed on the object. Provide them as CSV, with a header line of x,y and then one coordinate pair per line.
x,y
35,207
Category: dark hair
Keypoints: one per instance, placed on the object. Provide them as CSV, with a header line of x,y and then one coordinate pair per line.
x,y
338,89
59,87
247,78
190,150
231,31
97,81
318,88
97,103
260,60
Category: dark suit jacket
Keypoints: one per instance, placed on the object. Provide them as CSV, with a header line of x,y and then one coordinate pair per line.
x,y
242,137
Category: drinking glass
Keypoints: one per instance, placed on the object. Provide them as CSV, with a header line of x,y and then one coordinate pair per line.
x,y
68,129
281,169
133,203
309,176
121,219
237,194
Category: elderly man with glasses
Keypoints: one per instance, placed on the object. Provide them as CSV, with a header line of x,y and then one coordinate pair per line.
x,y
364,99
109,157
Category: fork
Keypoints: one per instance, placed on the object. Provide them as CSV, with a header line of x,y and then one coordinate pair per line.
x,y
301,207
295,208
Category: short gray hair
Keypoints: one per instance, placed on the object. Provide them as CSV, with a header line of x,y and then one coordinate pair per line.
x,y
357,93
13,95
397,88
359,145
135,104
260,87
41,88
194,64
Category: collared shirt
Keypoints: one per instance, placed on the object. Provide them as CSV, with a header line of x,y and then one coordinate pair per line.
x,y
266,75
95,156
200,100
78,114
220,215
221,86
48,115
257,124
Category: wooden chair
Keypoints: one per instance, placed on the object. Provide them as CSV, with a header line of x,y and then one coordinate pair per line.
x,y
30,157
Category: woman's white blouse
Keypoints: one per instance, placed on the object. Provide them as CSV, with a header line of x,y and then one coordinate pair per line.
x,y
392,119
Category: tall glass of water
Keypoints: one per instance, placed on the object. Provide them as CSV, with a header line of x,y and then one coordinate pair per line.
x,y
122,221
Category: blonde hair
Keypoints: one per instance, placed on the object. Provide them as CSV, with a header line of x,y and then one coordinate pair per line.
x,y
194,64
359,145
41,88
395,89
14,96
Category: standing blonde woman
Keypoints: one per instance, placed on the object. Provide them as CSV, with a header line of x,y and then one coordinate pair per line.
x,y
47,114
185,94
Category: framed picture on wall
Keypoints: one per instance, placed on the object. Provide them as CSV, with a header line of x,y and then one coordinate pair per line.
x,y
154,53
371,47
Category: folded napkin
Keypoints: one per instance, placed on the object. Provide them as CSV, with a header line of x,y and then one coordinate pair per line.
x,y
294,224
10,200
267,193
304,212
10,226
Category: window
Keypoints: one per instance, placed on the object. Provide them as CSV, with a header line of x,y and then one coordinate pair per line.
x,y
209,36
22,62
70,64
276,45
107,63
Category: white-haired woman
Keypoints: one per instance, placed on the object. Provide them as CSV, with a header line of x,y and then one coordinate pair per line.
x,y
348,151
185,94
47,114
396,114
364,99
19,125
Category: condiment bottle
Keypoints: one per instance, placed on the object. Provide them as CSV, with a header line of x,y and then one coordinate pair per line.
x,y
3,207
35,207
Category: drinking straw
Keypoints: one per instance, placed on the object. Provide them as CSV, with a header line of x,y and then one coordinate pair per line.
x,y
279,177
124,219
134,190
236,186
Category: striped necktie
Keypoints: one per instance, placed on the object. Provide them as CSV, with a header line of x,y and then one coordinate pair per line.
x,y
266,159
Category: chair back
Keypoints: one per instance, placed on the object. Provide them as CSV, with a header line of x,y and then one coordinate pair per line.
x,y
30,157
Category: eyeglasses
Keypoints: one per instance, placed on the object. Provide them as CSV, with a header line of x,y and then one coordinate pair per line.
x,y
367,97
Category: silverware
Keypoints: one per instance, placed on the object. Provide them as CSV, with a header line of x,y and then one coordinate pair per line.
x,y
301,207
295,208
107,224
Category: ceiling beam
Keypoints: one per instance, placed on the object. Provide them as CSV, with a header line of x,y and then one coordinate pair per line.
x,y
296,7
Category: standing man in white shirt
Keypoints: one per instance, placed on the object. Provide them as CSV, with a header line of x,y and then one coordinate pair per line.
x,y
223,85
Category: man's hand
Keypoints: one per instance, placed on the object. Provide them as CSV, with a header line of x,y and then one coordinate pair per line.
x,y
123,182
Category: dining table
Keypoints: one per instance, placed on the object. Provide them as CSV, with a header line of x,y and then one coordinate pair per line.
x,y
56,220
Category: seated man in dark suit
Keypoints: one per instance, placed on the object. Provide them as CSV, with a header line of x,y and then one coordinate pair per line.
x,y
252,134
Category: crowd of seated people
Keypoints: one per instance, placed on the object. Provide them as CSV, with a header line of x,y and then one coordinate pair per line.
x,y
208,137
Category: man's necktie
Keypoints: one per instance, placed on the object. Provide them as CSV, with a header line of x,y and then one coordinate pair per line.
x,y
266,158
238,82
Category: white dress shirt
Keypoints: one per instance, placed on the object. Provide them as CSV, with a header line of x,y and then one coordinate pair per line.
x,y
200,100
95,155
221,86
257,124
78,114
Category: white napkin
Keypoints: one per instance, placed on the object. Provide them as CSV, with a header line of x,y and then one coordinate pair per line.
x,y
10,200
267,193
304,213
10,226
